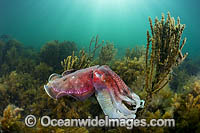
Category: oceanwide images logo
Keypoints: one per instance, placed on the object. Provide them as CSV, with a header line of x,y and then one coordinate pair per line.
x,y
46,121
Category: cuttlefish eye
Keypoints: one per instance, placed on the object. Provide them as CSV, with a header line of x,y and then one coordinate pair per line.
x,y
98,75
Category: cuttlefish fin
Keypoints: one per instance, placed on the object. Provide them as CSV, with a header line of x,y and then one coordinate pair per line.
x,y
54,76
68,72
53,94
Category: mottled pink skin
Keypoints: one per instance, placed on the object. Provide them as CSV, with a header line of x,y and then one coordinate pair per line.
x,y
83,83
78,84
104,76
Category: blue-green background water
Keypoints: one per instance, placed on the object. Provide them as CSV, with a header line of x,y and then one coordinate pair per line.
x,y
123,22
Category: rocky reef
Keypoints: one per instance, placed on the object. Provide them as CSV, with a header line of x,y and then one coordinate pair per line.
x,y
156,72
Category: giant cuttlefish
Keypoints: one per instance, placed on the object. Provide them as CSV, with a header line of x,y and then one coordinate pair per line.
x,y
110,90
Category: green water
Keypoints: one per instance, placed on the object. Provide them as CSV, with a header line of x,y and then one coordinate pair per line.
x,y
123,22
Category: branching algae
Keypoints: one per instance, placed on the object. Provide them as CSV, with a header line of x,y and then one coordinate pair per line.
x,y
165,52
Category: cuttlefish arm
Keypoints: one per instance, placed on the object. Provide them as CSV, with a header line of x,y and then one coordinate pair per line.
x,y
112,92
108,107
